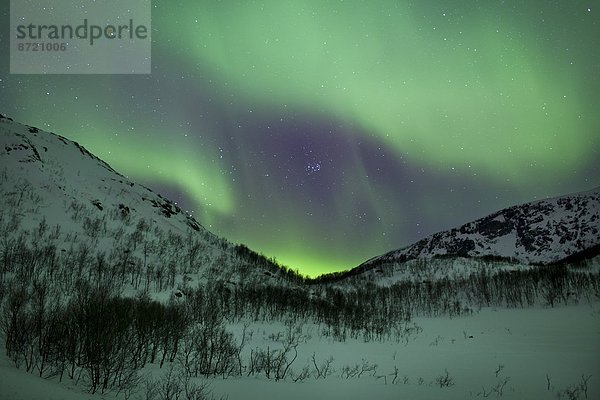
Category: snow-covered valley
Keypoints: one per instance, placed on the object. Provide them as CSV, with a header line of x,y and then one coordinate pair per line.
x,y
533,353
108,290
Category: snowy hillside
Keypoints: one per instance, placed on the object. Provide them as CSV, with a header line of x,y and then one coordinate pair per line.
x,y
54,188
541,232
65,170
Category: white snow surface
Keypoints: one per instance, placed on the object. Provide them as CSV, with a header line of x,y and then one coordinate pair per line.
x,y
562,343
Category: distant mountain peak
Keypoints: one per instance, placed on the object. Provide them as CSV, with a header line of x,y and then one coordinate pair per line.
x,y
540,232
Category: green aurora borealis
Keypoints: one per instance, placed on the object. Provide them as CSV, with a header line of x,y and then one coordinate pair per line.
x,y
323,133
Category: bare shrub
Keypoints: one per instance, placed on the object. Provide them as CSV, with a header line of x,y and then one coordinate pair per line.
x,y
444,380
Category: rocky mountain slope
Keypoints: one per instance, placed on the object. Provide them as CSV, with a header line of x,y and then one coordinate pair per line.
x,y
541,232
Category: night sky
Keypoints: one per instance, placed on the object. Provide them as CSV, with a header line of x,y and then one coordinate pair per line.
x,y
323,133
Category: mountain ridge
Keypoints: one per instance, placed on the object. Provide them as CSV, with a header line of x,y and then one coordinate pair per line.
x,y
546,231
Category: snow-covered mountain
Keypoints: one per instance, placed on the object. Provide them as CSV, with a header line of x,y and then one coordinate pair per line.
x,y
540,232
53,190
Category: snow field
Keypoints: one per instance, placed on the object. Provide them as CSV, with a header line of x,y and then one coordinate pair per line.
x,y
514,351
